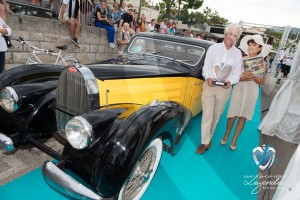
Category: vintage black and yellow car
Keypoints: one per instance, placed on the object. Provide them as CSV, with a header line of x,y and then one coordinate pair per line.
x,y
115,117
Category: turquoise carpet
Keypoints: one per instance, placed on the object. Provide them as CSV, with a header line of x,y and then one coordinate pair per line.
x,y
218,174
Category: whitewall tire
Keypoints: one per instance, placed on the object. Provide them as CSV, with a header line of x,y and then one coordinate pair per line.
x,y
143,172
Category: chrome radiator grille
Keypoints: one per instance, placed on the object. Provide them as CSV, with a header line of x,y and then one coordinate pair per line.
x,y
72,97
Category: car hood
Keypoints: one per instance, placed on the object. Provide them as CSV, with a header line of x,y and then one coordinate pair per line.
x,y
116,71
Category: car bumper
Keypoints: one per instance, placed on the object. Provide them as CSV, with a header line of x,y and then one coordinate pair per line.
x,y
64,183
6,143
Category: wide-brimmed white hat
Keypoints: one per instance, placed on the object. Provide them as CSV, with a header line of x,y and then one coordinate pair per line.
x,y
265,50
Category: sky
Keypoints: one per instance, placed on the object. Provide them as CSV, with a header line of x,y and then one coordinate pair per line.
x,y
267,12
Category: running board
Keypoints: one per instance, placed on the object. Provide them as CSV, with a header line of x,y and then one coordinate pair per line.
x,y
45,148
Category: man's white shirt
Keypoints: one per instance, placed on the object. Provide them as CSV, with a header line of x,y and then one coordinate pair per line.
x,y
217,53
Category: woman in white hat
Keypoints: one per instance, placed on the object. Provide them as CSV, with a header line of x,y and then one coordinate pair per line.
x,y
245,93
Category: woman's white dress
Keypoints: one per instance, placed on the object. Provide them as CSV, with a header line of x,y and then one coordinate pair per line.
x,y
243,99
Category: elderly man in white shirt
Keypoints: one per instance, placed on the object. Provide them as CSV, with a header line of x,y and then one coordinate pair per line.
x,y
214,98
4,30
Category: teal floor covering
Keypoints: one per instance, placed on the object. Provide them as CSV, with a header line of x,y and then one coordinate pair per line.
x,y
218,174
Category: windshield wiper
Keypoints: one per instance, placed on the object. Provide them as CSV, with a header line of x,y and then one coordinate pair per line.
x,y
154,54
183,61
151,53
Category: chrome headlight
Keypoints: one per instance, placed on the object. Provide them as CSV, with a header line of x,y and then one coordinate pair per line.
x,y
9,99
79,132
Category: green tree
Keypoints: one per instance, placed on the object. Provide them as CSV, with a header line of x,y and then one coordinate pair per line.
x,y
188,4
213,18
173,4
172,9
206,13
168,5
276,37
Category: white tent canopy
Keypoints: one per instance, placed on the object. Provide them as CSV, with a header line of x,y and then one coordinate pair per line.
x,y
283,118
289,187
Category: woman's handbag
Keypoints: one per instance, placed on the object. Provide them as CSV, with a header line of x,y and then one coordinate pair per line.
x,y
105,23
7,40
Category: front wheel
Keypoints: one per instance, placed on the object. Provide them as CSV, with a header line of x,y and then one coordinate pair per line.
x,y
143,172
68,61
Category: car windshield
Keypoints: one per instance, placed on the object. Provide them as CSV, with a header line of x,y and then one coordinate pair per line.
x,y
185,53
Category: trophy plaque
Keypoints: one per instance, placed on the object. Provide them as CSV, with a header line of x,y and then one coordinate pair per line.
x,y
221,73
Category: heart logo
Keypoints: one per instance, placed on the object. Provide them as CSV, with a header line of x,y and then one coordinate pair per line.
x,y
221,71
264,156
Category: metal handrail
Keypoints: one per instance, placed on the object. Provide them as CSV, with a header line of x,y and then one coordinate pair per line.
x,y
28,9
86,15
30,6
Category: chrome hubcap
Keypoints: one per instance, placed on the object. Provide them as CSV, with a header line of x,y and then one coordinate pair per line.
x,y
141,174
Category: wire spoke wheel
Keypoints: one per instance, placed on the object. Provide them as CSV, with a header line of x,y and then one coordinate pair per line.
x,y
143,172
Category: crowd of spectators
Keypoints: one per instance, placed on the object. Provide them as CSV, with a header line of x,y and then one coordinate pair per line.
x,y
113,19
97,13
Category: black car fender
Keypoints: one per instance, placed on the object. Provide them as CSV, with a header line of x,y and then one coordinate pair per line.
x,y
85,161
21,79
29,74
30,94
42,120
167,120
35,116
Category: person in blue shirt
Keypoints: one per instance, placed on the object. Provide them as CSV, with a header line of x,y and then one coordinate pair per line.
x,y
115,15
172,28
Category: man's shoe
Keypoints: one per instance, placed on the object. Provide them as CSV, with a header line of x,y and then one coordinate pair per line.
x,y
202,148
75,41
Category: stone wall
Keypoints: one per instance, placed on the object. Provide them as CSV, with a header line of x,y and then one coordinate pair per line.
x,y
49,33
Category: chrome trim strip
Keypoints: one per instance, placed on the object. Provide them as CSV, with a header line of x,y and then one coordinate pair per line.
x,y
187,119
77,93
64,183
90,79
6,142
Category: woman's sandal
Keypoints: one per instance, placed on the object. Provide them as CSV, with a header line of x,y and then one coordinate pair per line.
x,y
232,147
223,142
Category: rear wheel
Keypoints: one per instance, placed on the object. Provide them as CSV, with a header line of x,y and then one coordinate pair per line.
x,y
143,172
